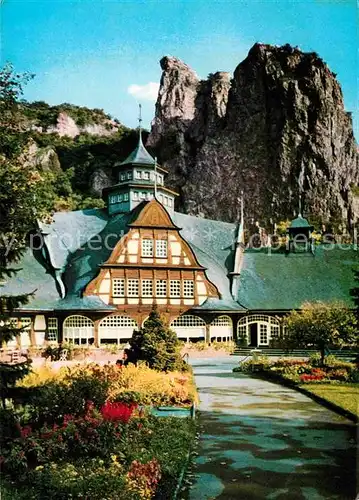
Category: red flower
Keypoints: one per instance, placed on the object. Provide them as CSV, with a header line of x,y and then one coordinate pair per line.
x,y
118,412
25,431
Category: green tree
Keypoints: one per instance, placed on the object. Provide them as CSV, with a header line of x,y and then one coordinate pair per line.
x,y
157,345
321,325
23,200
354,292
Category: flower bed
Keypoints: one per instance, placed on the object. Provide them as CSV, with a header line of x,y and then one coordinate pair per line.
x,y
64,442
302,374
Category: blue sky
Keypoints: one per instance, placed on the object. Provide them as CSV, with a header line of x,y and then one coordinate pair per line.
x,y
96,52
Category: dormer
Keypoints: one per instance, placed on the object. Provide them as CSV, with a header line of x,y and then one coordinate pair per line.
x,y
300,235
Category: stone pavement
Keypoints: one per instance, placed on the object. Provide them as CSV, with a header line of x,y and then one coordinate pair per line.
x,y
260,440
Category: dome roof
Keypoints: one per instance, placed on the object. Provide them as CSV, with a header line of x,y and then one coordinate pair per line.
x,y
300,223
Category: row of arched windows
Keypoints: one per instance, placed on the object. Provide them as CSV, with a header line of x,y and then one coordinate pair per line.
x,y
257,329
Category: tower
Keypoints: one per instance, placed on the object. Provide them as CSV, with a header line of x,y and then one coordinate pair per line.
x,y
139,178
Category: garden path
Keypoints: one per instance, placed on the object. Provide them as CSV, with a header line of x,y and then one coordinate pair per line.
x,y
260,440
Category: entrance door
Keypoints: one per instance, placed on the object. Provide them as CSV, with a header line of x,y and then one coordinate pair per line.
x,y
253,331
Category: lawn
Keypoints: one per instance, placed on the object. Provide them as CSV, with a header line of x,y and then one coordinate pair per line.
x,y
346,396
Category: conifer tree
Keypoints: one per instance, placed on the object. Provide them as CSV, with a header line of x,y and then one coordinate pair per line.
x,y
157,345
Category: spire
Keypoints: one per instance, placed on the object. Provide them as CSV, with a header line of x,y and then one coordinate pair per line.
x,y
300,204
140,155
140,121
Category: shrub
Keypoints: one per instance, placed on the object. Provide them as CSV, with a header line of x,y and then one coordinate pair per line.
x,y
157,345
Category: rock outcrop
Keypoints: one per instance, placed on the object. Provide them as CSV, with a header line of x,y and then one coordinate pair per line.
x,y
278,132
67,126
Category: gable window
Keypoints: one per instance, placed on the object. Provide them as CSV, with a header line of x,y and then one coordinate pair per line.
x,y
161,288
147,288
161,248
147,248
175,288
188,288
52,329
118,287
132,288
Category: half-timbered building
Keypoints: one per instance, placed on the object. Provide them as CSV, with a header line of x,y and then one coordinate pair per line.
x,y
96,274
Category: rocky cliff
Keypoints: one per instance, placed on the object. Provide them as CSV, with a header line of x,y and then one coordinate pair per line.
x,y
277,131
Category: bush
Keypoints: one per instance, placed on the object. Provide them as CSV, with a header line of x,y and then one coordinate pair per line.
x,y
157,345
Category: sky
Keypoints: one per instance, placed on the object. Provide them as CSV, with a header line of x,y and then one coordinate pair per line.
x,y
105,54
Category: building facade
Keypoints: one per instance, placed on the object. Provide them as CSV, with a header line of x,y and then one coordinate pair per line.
x,y
96,274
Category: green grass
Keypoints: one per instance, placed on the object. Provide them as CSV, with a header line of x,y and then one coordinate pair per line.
x,y
344,395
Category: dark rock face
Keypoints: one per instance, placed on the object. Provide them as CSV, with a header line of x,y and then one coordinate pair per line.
x,y
276,130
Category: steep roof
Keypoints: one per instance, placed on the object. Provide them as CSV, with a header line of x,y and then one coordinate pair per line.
x,y
300,223
277,281
139,156
78,242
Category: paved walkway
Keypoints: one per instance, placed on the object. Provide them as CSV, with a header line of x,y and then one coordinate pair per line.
x,y
262,440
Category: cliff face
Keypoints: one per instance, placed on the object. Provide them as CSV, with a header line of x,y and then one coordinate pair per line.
x,y
277,129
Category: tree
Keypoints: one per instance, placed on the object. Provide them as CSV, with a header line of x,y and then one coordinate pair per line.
x,y
354,292
321,325
23,200
156,344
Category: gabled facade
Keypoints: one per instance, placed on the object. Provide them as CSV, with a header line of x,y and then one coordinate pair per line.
x,y
152,265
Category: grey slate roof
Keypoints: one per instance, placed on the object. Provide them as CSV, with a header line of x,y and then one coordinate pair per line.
x,y
284,282
139,156
75,247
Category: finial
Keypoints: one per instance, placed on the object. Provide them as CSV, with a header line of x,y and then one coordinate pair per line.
x,y
140,121
300,205
242,208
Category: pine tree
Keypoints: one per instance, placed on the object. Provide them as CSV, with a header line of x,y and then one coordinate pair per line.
x,y
157,345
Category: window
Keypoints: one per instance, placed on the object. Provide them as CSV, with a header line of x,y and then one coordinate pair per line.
x,y
175,288
160,198
129,175
52,329
143,195
161,248
125,197
170,202
137,174
147,248
188,321
165,200
145,175
135,195
188,288
118,287
147,288
122,177
263,338
161,288
132,288
79,330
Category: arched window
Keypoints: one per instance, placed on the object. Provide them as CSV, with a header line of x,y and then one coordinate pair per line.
x,y
258,329
189,327
221,329
116,328
79,330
